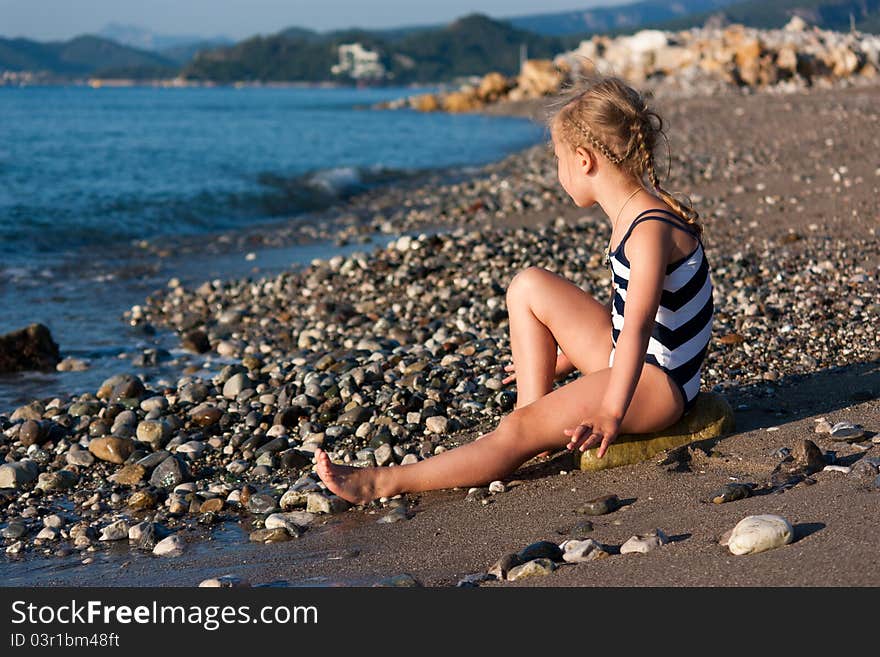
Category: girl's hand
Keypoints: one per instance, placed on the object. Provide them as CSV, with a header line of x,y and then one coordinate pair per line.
x,y
512,377
598,430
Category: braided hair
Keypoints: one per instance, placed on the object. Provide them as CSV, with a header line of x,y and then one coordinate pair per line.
x,y
606,115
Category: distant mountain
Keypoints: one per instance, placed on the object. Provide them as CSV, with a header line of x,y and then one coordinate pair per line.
x,y
179,48
629,17
472,45
81,56
826,14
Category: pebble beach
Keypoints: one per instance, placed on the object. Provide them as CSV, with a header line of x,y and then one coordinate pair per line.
x,y
395,353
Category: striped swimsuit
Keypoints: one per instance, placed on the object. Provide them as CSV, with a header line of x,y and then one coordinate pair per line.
x,y
683,323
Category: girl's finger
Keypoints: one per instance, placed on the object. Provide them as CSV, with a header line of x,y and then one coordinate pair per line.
x,y
606,443
591,441
508,368
508,379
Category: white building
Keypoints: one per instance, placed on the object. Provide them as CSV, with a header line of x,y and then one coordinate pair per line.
x,y
358,62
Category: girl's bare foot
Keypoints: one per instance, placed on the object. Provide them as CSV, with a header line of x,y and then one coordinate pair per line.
x,y
357,485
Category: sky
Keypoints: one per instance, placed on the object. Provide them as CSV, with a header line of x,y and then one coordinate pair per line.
x,y
62,19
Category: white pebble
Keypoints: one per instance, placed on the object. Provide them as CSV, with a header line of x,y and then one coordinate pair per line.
x,y
759,533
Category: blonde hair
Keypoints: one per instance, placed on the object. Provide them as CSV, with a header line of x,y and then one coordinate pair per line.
x,y
604,114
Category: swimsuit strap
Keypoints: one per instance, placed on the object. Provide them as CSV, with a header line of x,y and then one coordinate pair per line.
x,y
641,218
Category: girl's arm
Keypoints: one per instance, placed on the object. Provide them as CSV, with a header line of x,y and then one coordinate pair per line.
x,y
647,249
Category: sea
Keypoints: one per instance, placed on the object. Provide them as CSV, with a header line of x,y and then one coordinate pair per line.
x,y
88,173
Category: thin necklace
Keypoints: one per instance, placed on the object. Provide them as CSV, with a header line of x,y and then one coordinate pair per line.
x,y
614,225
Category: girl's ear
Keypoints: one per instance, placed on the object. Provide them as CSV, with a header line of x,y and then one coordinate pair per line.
x,y
584,159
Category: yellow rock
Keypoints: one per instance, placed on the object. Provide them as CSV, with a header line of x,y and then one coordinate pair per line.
x,y
425,103
711,417
461,101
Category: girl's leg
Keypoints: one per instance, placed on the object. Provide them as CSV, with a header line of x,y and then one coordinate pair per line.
x,y
519,436
546,310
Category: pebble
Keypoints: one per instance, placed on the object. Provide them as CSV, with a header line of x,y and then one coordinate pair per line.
x,y
847,431
754,534
731,493
845,469
170,472
320,503
534,568
395,515
437,424
600,506
115,531
274,535
171,546
129,475
497,487
575,551
224,582
111,449
13,475
540,550
501,567
644,543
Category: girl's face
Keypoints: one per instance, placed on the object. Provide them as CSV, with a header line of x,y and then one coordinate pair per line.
x,y
573,167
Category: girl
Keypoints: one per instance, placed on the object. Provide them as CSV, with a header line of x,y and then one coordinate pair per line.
x,y
640,356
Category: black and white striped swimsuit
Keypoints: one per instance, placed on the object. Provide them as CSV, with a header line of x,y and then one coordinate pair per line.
x,y
683,323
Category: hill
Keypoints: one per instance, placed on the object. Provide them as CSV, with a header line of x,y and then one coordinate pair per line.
x,y
630,17
826,14
472,45
81,56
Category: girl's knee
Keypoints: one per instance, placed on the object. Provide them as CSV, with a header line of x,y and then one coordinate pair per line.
x,y
525,283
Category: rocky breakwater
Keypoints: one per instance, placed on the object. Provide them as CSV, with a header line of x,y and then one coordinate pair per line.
x,y
381,358
696,61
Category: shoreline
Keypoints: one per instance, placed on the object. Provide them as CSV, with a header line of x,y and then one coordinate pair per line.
x,y
443,336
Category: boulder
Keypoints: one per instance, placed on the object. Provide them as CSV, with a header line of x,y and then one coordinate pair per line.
x,y
464,100
425,103
539,77
492,87
711,417
30,348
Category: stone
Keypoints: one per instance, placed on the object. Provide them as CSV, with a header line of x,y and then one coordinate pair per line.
x,y
501,567
321,503
847,431
115,531
47,534
261,503
540,550
294,523
142,500
404,580
111,449
276,535
383,454
711,417
730,493
293,499
30,348
170,472
13,475
206,415
213,505
437,424
153,432
808,456
823,426
224,582
644,543
574,551
171,546
56,481
196,341
395,515
534,568
235,384
424,103
31,433
128,475
865,470
14,530
754,534
497,487
143,535
79,457
601,505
